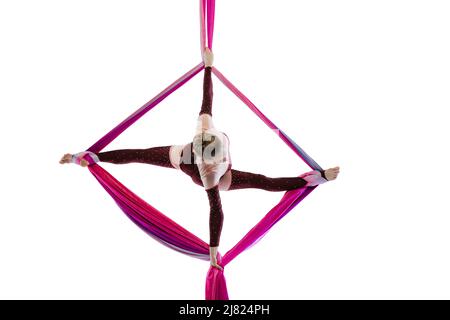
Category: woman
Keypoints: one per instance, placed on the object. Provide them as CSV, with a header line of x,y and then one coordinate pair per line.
x,y
207,161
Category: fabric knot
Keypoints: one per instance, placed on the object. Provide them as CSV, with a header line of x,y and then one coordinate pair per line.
x,y
89,156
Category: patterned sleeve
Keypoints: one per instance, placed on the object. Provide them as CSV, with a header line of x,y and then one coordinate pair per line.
x,y
215,216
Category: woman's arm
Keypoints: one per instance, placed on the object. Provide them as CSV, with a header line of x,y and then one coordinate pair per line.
x,y
208,58
215,223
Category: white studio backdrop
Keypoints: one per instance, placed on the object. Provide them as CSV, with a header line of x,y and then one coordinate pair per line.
x,y
360,84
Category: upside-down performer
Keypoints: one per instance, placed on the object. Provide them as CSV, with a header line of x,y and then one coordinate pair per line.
x,y
207,161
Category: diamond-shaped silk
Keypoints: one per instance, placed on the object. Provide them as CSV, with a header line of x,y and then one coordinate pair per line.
x,y
162,228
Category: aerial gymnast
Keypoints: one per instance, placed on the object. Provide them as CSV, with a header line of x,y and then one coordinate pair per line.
x,y
207,161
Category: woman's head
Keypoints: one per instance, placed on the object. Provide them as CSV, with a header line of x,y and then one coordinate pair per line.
x,y
209,145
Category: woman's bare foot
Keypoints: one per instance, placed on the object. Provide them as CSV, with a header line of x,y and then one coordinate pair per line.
x,y
67,158
213,257
332,173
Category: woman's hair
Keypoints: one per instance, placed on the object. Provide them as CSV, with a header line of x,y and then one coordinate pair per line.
x,y
207,144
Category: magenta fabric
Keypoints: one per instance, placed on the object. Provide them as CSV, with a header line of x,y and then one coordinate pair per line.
x,y
296,148
149,219
121,127
216,288
202,26
210,25
174,236
207,15
162,228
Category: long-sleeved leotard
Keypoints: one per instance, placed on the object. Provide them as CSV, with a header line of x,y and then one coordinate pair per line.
x,y
207,93
183,158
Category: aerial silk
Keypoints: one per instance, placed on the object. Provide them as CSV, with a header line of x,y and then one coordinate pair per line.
x,y
167,231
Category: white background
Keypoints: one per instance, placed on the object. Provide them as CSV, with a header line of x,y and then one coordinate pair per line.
x,y
360,84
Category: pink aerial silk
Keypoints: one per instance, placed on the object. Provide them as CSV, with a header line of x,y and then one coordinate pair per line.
x,y
202,26
162,228
207,13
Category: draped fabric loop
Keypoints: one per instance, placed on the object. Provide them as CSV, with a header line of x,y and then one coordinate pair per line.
x,y
159,226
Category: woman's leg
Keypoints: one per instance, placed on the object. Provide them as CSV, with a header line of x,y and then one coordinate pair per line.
x,y
244,180
158,156
207,93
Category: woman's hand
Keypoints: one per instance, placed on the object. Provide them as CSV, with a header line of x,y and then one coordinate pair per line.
x,y
213,257
84,163
208,57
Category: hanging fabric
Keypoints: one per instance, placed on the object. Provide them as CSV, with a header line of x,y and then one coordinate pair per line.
x,y
159,226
